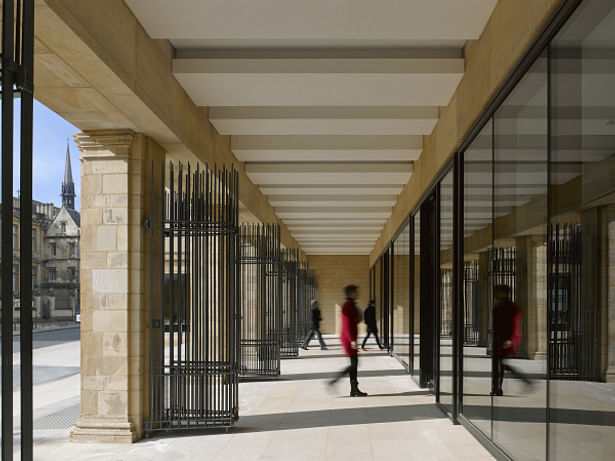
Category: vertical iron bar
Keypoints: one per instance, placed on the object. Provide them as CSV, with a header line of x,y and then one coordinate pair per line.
x,y
458,316
151,292
27,62
7,228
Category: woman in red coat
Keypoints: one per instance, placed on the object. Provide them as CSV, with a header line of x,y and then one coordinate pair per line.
x,y
350,320
506,337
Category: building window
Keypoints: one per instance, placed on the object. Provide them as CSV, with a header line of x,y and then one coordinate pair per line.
x,y
52,274
72,274
72,249
63,227
53,249
34,277
33,239
15,278
15,236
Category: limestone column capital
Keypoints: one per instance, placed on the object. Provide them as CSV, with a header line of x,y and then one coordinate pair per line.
x,y
105,144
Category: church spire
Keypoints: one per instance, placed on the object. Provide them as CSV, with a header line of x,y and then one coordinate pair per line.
x,y
68,186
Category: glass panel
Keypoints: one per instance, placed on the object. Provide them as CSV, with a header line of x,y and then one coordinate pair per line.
x,y
377,294
477,231
517,268
401,295
446,292
385,298
582,269
416,301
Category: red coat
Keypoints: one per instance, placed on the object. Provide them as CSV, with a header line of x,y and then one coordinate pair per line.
x,y
507,328
350,320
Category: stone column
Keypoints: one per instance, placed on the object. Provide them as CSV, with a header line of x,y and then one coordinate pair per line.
x,y
484,296
115,171
608,277
610,371
532,294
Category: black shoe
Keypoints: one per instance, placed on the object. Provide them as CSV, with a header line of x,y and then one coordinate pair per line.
x,y
358,393
304,348
363,348
497,392
324,348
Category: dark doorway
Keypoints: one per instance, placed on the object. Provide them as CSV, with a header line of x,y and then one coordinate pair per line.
x,y
428,275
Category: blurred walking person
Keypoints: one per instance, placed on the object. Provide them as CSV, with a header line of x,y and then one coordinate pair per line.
x,y
350,320
315,319
369,317
506,337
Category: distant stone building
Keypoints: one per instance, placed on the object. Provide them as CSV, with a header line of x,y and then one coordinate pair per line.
x,y
60,289
55,255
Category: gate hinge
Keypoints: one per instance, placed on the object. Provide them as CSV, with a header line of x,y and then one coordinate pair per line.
x,y
23,81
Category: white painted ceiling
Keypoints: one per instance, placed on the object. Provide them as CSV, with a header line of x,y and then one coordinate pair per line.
x,y
326,101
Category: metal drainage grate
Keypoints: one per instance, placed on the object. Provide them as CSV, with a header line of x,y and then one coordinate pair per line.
x,y
58,420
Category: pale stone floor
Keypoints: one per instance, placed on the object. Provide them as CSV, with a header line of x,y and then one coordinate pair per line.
x,y
298,418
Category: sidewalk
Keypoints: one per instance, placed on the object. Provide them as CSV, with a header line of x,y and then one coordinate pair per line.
x,y
298,418
51,327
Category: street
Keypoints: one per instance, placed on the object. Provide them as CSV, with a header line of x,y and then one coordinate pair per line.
x,y
56,376
49,337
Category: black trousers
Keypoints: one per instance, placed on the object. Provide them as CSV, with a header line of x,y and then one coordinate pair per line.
x,y
309,337
500,368
351,371
370,332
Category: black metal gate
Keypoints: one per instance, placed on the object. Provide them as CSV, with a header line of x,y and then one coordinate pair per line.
x,y
260,300
446,303
502,271
16,75
312,285
290,329
471,296
303,302
571,351
194,291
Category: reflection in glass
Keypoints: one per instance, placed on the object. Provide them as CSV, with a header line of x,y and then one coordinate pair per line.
x,y
582,270
416,301
445,316
378,293
517,268
401,295
477,232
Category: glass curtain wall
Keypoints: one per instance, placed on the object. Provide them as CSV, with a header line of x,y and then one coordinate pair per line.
x,y
384,302
478,237
445,293
538,229
401,296
539,240
415,222
505,272
582,236
517,273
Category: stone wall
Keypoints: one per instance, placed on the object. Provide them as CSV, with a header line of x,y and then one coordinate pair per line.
x,y
114,284
334,273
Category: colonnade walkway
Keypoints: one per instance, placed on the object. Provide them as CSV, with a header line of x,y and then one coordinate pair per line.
x,y
299,417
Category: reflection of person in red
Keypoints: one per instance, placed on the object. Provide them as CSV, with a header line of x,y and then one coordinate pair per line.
x,y
350,320
506,336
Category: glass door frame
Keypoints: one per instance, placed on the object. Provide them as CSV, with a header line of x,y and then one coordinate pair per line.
x,y
408,366
433,193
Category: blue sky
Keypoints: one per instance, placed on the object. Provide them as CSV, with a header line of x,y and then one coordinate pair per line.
x,y
49,150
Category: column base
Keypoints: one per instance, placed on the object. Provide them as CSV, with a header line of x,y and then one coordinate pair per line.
x,y
610,375
93,430
538,356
